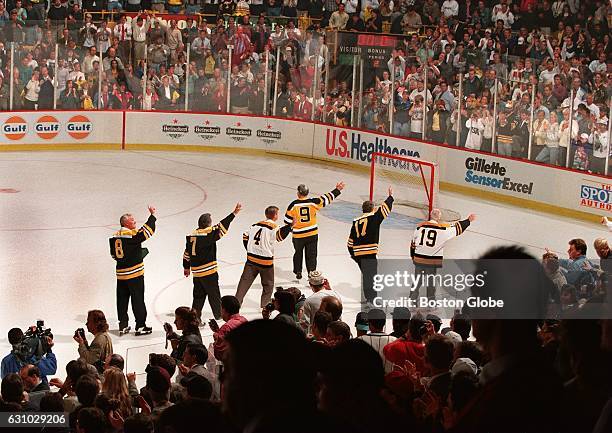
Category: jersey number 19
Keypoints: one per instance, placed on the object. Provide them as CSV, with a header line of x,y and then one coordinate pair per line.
x,y
431,237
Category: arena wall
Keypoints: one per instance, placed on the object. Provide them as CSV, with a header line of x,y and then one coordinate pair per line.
x,y
517,182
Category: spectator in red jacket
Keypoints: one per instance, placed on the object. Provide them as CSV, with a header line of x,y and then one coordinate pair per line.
x,y
230,313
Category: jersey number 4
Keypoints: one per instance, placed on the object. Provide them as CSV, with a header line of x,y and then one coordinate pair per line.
x,y
431,237
364,226
257,237
118,249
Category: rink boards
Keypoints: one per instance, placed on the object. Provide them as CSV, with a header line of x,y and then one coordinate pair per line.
x,y
521,183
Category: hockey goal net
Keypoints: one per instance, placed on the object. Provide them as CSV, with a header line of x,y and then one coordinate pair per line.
x,y
414,182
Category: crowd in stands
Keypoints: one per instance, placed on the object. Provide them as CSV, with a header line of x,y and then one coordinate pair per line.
x,y
299,368
542,61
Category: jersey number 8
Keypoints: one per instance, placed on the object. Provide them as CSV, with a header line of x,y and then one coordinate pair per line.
x,y
118,249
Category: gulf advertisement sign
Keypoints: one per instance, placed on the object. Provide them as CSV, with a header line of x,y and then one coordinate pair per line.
x,y
47,127
15,128
79,127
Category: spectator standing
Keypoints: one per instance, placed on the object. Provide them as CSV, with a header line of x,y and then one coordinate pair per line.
x,y
31,92
601,147
475,129
230,313
95,353
377,338
320,288
46,93
339,18
550,153
575,265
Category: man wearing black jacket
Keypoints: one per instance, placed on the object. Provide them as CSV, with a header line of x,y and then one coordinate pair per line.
x,y
126,249
200,259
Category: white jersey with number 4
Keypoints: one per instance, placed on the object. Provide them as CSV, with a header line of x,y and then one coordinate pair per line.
x,y
260,239
429,239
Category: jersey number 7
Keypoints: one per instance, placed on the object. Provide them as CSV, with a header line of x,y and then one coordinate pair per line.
x,y
431,237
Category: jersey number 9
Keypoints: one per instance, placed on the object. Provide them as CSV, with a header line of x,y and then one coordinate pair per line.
x,y
431,237
304,214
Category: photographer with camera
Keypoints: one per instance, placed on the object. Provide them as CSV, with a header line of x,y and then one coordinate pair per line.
x,y
284,303
186,320
30,349
95,353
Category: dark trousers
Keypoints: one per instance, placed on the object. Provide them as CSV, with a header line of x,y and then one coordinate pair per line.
x,y
207,286
249,274
368,265
431,288
308,245
126,289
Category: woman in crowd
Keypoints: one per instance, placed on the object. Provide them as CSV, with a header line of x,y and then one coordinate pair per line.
x,y
438,122
487,134
31,90
149,99
4,95
565,138
115,386
550,153
540,129
416,114
186,320
219,98
69,99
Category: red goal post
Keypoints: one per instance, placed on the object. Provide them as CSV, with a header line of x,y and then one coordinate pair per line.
x,y
414,182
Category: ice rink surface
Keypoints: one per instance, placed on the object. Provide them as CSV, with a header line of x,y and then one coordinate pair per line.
x,y
54,258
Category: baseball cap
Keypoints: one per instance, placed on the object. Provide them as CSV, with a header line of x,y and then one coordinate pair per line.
x,y
585,136
197,385
434,319
401,313
376,314
361,321
158,379
456,338
315,278
464,364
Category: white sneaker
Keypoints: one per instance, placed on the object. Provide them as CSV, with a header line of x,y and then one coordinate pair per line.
x,y
124,331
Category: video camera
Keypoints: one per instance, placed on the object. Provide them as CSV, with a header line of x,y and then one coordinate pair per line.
x,y
34,343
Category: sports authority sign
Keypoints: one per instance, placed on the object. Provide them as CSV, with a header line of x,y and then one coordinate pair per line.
x,y
596,194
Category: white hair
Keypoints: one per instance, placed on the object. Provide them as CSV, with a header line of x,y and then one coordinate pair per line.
x,y
436,214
